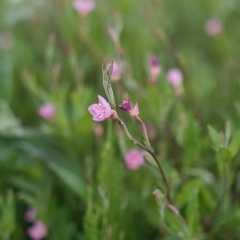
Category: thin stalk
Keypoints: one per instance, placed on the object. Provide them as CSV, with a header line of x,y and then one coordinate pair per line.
x,y
124,128
176,212
163,175
144,133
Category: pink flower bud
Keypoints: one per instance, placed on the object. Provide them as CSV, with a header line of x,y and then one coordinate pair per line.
x,y
134,159
174,77
116,72
213,27
47,111
151,131
135,111
127,106
84,7
98,129
155,69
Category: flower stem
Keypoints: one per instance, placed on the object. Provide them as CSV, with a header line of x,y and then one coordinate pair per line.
x,y
176,212
130,137
163,176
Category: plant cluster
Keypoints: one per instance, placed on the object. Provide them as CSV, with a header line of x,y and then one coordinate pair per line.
x,y
157,157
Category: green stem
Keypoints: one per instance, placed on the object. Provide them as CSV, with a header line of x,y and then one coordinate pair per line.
x,y
130,137
176,212
220,201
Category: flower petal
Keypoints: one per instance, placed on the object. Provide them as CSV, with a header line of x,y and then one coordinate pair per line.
x,y
135,111
108,113
104,103
91,109
84,7
126,106
134,159
98,119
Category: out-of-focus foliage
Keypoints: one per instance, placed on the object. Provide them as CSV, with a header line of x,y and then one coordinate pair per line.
x,y
72,170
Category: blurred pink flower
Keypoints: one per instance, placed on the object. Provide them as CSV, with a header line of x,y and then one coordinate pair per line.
x,y
134,159
174,77
116,72
135,111
98,129
151,131
38,231
155,69
101,111
213,27
30,214
47,111
84,7
127,106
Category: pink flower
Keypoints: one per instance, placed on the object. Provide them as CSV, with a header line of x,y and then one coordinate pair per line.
x,y
213,27
101,111
127,106
174,77
38,231
98,129
134,159
84,7
155,69
47,111
30,214
116,72
151,131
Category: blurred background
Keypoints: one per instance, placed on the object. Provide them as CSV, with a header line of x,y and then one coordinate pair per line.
x,y
64,176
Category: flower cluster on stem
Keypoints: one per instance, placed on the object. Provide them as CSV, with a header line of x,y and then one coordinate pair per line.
x,y
104,110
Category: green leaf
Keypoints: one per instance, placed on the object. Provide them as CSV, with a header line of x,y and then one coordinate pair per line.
x,y
235,144
150,160
30,82
215,137
173,225
8,211
192,212
6,77
223,155
62,227
70,178
223,159
61,164
189,190
207,198
227,133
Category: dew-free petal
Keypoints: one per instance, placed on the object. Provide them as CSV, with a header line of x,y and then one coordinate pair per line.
x,y
38,231
101,110
174,77
134,159
84,7
47,111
